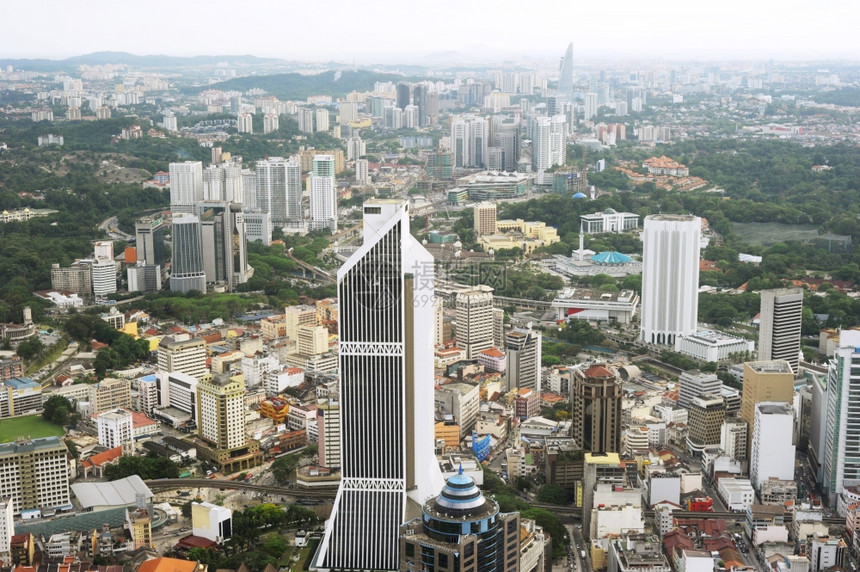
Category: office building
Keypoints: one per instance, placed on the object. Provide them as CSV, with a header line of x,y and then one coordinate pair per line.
x,y
385,323
76,278
356,148
186,186
608,221
404,94
693,383
109,394
328,431
772,450
149,240
279,189
104,277
221,423
523,359
34,473
187,273
779,328
734,439
670,277
841,447
224,245
485,218
771,381
565,80
312,340
323,210
549,142
596,398
707,413
185,356
322,121
116,429
305,118
460,530
475,320
176,398
299,315
590,109
258,226
362,173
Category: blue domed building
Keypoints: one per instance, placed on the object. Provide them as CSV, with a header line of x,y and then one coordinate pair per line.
x,y
461,531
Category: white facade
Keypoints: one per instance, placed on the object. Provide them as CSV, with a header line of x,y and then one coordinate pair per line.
x,y
186,186
323,208
694,383
613,520
279,189
258,226
779,327
104,277
710,345
670,277
470,141
278,380
256,369
245,123
115,429
178,390
385,323
7,524
362,175
736,494
223,183
211,521
475,320
772,451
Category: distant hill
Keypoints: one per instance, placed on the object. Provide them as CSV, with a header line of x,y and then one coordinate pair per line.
x,y
297,86
154,61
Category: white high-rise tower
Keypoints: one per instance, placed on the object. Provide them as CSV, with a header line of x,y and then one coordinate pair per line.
x,y
386,390
279,189
186,186
670,277
323,194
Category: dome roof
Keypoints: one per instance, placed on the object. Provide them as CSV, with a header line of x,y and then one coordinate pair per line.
x,y
460,493
579,196
611,257
610,211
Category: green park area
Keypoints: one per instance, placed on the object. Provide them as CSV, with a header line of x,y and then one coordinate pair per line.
x,y
32,426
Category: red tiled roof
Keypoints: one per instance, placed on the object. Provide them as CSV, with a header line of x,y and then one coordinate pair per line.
x,y
100,459
493,352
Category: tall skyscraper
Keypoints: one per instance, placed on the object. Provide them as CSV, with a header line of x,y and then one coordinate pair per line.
x,y
772,450
279,189
485,218
705,422
221,410
223,243
385,322
590,106
187,271
670,277
149,240
186,186
475,320
522,358
362,175
419,99
770,381
841,452
223,183
779,329
403,94
323,194
565,79
596,410
470,138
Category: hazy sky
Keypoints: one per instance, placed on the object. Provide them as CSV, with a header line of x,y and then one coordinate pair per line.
x,y
406,30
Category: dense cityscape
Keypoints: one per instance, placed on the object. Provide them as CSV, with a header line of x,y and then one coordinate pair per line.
x,y
531,314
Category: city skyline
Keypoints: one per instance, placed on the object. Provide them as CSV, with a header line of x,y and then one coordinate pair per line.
x,y
668,29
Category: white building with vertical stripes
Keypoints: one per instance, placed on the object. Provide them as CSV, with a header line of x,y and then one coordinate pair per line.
x,y
386,297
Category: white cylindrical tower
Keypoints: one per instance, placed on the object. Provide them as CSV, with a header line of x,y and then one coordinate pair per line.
x,y
670,277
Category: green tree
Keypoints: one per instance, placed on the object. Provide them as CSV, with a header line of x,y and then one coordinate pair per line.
x,y
58,410
552,494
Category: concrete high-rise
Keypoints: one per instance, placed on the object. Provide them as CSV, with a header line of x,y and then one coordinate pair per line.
x,y
36,473
770,381
565,79
841,451
221,410
279,189
461,531
670,277
596,410
779,328
470,141
772,450
183,356
187,272
186,186
149,240
223,183
523,350
475,320
693,383
224,244
403,94
385,323
705,422
590,106
323,209
485,218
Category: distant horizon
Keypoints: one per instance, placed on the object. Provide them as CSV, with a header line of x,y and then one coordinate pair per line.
x,y
438,59
390,32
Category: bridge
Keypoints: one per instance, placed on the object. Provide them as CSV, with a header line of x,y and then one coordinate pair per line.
x,y
314,271
163,484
